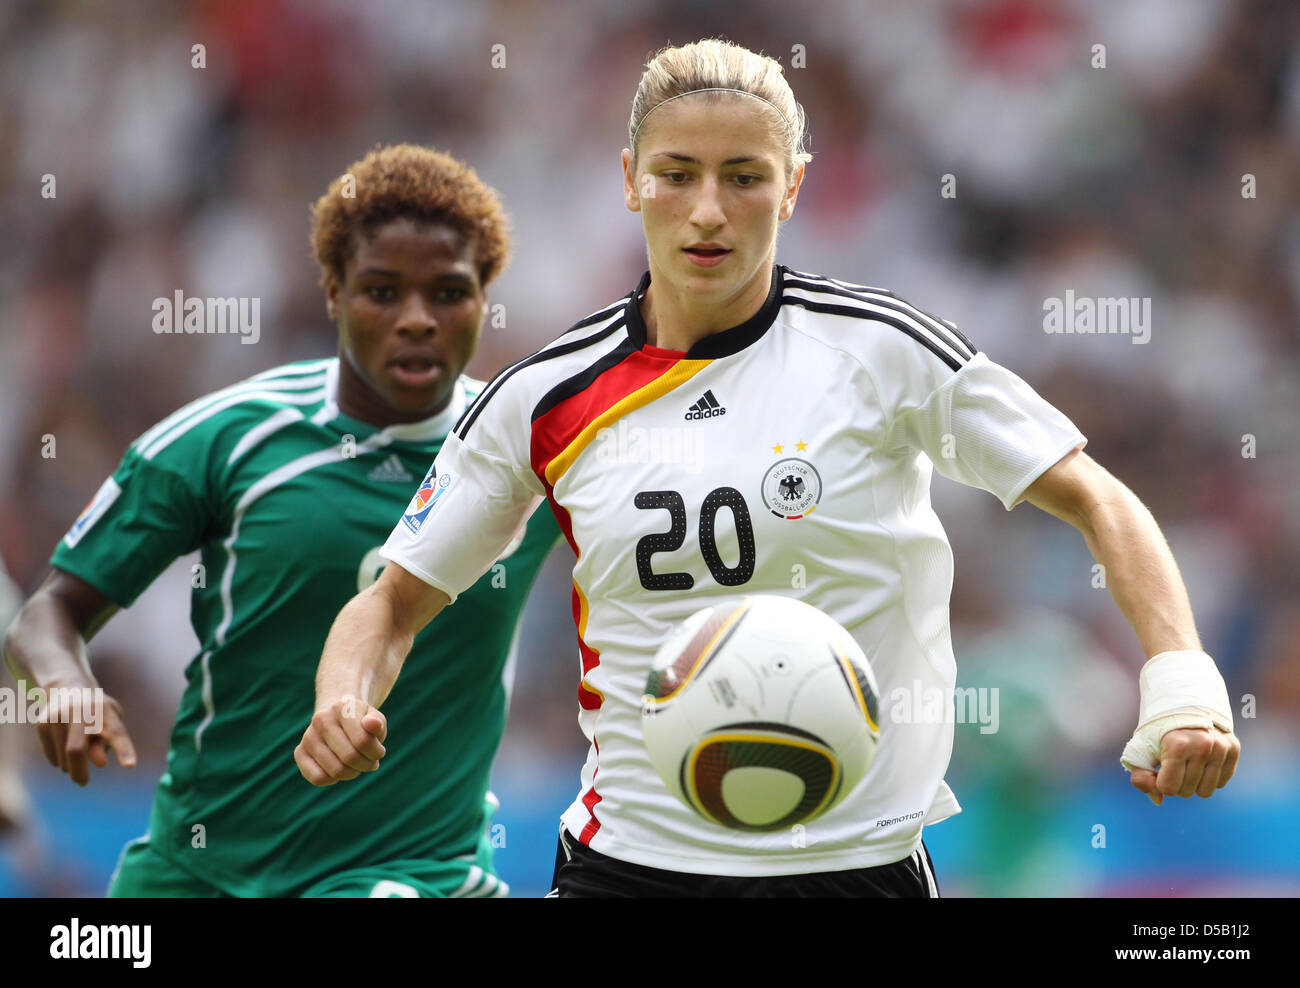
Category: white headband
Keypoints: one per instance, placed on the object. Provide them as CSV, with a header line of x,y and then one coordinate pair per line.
x,y
692,93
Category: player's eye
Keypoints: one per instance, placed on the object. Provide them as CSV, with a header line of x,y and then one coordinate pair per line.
x,y
381,293
745,179
675,178
452,294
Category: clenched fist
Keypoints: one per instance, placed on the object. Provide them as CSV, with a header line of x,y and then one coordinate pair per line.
x,y
1192,761
343,740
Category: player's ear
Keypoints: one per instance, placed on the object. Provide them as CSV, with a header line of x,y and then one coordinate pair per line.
x,y
791,194
630,194
331,298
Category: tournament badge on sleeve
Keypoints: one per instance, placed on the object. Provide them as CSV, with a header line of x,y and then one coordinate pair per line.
x,y
431,488
104,497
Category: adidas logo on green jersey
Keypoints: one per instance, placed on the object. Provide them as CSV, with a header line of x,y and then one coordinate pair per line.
x,y
391,471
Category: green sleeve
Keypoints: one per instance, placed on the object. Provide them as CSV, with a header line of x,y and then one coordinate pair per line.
x,y
140,520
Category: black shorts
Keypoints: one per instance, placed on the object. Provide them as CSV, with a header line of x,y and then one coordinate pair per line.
x,y
581,872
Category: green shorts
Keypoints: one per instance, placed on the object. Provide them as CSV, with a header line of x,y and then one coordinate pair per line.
x,y
143,873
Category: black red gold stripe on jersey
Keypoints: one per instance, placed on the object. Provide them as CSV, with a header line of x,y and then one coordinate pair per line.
x,y
564,424
574,412
589,801
589,698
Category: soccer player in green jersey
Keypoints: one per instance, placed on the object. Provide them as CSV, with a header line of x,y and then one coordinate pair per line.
x,y
288,483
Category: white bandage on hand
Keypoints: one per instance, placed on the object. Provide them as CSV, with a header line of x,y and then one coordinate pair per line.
x,y
1178,689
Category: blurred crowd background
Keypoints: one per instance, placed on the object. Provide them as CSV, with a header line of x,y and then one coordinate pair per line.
x,y
1122,179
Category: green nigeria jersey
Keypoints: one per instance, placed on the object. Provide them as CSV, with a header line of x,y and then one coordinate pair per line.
x,y
288,501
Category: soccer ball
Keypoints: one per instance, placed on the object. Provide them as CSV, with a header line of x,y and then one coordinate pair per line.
x,y
760,714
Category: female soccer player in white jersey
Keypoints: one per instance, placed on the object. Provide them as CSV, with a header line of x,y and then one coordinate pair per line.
x,y
773,372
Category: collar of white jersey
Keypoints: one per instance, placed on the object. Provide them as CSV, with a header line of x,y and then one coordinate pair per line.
x,y
722,344
425,430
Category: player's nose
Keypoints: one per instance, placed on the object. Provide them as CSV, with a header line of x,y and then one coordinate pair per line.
x,y
415,316
706,211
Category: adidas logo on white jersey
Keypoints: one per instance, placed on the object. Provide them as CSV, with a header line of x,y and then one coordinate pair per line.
x,y
392,471
706,408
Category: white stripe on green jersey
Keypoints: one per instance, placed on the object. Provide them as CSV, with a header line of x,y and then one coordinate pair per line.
x,y
278,421
309,396
263,486
260,383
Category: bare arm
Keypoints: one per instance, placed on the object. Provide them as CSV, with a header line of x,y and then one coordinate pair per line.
x,y
46,648
364,653
47,641
1144,580
1123,536
372,636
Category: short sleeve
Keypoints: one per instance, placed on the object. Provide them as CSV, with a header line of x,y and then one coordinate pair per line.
x,y
477,496
985,427
138,522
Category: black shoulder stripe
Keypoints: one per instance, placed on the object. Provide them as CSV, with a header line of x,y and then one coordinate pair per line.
x,y
590,320
848,310
604,313
579,382
947,327
469,405
472,413
840,282
948,334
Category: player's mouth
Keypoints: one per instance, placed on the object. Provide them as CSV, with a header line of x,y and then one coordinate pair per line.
x,y
415,371
706,255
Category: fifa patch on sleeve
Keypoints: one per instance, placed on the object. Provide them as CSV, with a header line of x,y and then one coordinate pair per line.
x,y
432,487
104,497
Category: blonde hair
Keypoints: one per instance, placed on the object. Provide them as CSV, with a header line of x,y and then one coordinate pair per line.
x,y
714,64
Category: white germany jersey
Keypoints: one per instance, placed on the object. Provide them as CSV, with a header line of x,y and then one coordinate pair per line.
x,y
788,455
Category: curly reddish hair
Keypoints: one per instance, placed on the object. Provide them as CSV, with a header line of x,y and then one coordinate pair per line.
x,y
412,182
